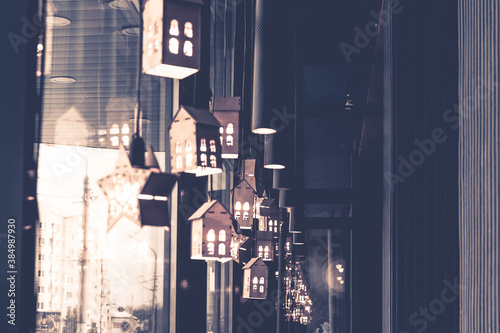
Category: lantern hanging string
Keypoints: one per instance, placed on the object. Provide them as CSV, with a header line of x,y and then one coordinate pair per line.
x,y
137,115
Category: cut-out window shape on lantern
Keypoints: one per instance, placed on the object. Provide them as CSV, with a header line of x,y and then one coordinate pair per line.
x,y
246,215
246,206
213,161
254,288
115,141
229,140
188,30
213,149
261,289
211,248
188,146
178,147
203,145
203,158
261,251
178,162
266,252
125,140
211,235
157,45
149,49
173,46
237,215
125,129
189,160
237,206
222,236
226,110
261,281
230,128
188,49
174,28
222,249
114,129
150,32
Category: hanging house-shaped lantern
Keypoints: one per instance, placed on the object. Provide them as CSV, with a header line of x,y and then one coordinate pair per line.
x,y
194,142
211,232
137,194
172,38
264,245
272,216
255,279
244,197
227,112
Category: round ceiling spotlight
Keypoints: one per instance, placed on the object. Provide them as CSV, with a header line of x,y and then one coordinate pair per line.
x,y
131,31
119,4
57,21
62,79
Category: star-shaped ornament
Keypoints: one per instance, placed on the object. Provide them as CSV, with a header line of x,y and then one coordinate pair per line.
x,y
122,188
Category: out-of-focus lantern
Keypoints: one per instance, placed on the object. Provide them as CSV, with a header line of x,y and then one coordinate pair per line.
x,y
172,35
255,279
194,142
137,194
244,196
236,245
227,112
264,245
211,232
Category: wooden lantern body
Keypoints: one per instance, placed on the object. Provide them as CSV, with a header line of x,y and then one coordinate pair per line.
x,y
227,112
264,245
194,142
255,279
211,232
172,38
243,204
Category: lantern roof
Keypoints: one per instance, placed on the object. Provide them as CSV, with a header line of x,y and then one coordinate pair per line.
x,y
204,209
244,180
199,116
253,262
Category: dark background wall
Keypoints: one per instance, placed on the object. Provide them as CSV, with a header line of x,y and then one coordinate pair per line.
x,y
421,203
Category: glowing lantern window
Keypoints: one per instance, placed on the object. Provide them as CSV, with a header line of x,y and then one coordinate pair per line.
x,y
272,213
227,111
222,249
208,222
244,193
174,28
188,30
173,45
176,24
199,130
125,129
188,49
211,235
255,287
265,245
114,129
115,141
178,148
178,162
